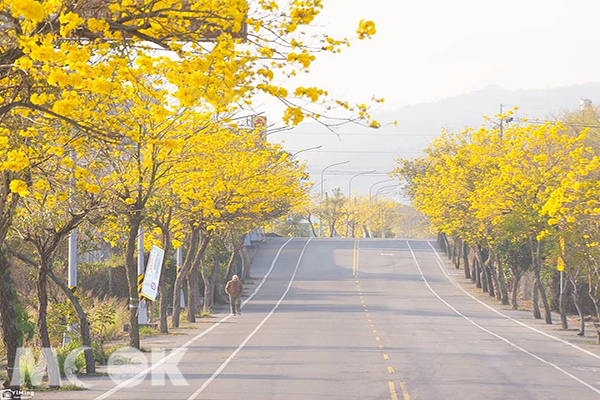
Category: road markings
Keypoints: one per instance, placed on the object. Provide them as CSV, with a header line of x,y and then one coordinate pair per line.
x,y
176,351
260,325
441,265
516,346
393,391
355,258
381,346
391,370
404,391
386,357
377,339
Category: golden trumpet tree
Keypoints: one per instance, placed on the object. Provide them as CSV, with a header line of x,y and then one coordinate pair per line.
x,y
490,190
133,81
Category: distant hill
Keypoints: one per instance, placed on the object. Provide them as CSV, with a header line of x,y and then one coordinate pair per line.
x,y
368,149
467,109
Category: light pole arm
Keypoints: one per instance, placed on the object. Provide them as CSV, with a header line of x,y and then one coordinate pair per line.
x,y
327,167
359,174
377,183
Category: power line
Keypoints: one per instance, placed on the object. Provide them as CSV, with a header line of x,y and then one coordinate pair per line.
x,y
543,122
360,134
365,152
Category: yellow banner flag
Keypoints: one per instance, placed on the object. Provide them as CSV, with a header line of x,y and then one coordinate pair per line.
x,y
560,264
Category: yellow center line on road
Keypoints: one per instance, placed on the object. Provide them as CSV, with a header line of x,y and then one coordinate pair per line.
x,y
357,255
391,370
354,252
377,339
381,346
404,391
393,391
386,357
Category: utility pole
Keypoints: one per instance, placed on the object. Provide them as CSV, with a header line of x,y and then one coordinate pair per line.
x,y
501,122
142,309
321,197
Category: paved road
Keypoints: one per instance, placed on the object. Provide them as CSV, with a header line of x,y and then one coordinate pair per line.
x,y
364,319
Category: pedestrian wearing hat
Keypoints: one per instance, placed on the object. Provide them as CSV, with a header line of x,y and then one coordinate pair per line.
x,y
234,289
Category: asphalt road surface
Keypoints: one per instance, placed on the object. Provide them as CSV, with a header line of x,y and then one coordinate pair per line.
x,y
359,319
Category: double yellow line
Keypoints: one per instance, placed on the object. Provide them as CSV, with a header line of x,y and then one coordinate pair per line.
x,y
394,394
355,260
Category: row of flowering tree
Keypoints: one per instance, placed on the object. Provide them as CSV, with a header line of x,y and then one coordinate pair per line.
x,y
525,199
336,215
119,115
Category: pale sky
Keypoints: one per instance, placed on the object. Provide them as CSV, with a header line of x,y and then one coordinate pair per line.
x,y
428,50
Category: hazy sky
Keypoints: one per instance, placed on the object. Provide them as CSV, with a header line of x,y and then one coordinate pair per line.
x,y
430,49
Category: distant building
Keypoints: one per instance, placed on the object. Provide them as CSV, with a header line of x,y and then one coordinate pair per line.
x,y
585,104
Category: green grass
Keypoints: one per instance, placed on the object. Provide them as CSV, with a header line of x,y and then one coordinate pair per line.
x,y
148,331
60,389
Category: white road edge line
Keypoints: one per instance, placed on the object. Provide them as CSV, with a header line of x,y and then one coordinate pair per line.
x,y
495,334
143,373
441,265
241,346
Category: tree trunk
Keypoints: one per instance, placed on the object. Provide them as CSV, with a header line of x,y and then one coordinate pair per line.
x,y
515,291
494,285
503,287
209,274
577,300
592,290
536,250
197,244
10,334
441,242
132,277
366,230
477,266
448,247
245,265
42,296
465,254
490,277
564,323
536,306
231,264
455,255
84,325
312,226
193,282
235,250
482,268
458,248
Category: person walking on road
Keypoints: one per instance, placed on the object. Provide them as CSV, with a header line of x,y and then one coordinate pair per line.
x,y
234,289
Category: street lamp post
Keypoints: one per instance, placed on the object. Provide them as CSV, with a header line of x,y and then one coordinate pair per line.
x,y
354,176
377,183
384,188
321,198
380,209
